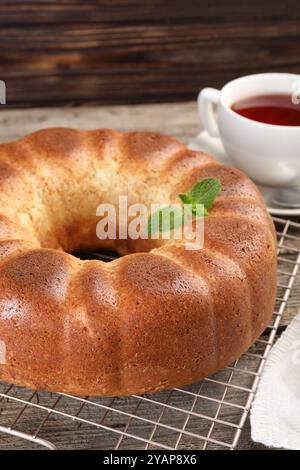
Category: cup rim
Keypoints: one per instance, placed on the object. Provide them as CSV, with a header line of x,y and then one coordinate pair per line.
x,y
259,75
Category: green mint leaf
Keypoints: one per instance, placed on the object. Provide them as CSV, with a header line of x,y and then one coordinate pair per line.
x,y
185,198
167,218
205,192
198,200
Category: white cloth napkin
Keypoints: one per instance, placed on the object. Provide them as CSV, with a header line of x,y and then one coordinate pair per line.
x,y
275,413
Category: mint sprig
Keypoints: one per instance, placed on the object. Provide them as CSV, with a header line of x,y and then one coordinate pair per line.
x,y
204,192
200,199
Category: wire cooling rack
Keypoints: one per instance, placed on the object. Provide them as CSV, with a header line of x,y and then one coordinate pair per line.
x,y
206,415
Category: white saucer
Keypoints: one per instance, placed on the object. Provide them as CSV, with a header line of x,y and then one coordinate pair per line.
x,y
213,146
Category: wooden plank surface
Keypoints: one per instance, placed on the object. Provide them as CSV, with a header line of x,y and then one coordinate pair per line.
x,y
70,51
180,120
177,119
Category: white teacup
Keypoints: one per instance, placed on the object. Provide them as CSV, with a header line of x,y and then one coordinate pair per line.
x,y
269,154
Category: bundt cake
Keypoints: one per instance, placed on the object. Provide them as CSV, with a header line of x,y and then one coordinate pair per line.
x,y
158,317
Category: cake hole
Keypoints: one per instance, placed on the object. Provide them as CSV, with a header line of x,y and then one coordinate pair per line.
x,y
103,255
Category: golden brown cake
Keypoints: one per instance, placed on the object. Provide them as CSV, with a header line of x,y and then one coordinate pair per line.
x,y
158,317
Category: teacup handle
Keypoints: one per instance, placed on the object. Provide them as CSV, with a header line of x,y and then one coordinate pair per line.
x,y
206,99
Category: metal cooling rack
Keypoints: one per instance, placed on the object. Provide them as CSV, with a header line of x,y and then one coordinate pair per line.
x,y
207,415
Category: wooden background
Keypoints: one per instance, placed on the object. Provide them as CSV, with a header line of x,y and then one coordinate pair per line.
x,y
56,52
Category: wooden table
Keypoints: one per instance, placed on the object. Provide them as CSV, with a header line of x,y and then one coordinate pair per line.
x,y
179,120
70,51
